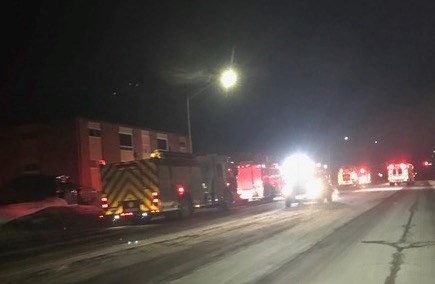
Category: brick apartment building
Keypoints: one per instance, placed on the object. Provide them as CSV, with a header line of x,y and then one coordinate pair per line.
x,y
75,147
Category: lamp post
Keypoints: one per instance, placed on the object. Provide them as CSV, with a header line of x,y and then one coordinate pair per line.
x,y
228,79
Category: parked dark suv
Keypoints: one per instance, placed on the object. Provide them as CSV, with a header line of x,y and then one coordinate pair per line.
x,y
35,187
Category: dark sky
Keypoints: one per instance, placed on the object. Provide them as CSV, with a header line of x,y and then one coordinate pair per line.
x,y
311,72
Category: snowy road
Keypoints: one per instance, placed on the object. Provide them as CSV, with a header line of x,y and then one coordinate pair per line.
x,y
378,235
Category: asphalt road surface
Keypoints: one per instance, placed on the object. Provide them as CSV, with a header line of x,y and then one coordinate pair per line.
x,y
374,235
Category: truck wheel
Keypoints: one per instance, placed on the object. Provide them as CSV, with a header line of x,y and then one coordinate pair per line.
x,y
269,193
142,220
106,222
228,201
288,202
329,197
186,208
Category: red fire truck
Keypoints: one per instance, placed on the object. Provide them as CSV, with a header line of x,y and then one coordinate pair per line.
x,y
258,181
164,184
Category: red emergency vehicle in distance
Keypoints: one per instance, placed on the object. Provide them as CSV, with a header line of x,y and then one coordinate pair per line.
x,y
258,181
353,176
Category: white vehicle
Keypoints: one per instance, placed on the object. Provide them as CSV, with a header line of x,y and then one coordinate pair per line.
x,y
347,177
352,176
400,173
303,181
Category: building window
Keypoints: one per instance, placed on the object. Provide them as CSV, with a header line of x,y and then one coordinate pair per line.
x,y
162,144
126,141
94,132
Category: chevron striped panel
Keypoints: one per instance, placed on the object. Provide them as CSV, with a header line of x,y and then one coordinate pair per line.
x,y
135,180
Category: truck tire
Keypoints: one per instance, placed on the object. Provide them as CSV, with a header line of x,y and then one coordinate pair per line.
x,y
288,202
329,197
227,202
186,207
106,222
142,220
269,193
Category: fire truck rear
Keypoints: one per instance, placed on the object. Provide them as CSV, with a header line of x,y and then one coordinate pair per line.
x,y
166,184
258,181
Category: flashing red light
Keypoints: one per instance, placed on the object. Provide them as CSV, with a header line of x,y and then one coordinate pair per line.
x,y
105,205
403,166
127,214
426,163
228,184
102,162
155,200
363,171
101,216
104,199
180,190
155,193
391,166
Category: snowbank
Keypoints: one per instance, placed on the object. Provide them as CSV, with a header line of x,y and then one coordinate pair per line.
x,y
12,211
57,218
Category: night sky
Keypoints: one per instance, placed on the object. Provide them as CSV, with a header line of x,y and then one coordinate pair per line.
x,y
311,72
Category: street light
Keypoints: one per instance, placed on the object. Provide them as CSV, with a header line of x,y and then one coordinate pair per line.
x,y
228,79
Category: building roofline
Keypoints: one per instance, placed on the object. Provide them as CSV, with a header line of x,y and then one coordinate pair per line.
x,y
73,118
128,125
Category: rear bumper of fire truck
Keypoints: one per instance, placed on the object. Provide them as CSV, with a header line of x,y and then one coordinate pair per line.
x,y
248,194
346,183
120,217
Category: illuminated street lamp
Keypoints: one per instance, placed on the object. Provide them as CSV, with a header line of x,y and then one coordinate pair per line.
x,y
346,138
227,80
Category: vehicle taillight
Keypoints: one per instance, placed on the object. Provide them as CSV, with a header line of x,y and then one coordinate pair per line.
x,y
363,171
102,162
155,195
180,190
403,166
104,202
127,214
390,167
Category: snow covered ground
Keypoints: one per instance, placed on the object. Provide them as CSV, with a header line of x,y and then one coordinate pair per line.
x,y
13,211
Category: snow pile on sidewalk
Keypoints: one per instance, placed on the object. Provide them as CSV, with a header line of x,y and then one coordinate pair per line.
x,y
57,218
12,211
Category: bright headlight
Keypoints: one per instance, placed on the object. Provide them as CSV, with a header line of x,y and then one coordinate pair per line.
x,y
314,187
297,168
287,190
